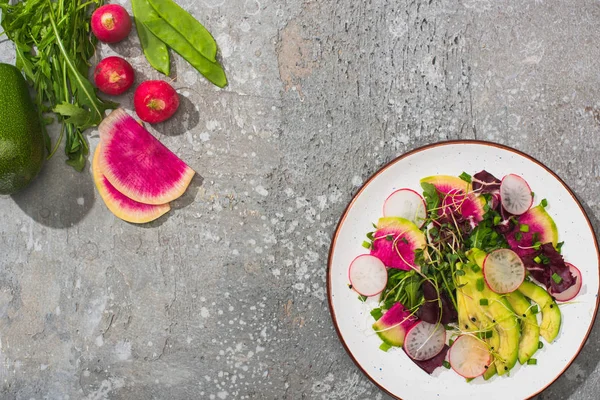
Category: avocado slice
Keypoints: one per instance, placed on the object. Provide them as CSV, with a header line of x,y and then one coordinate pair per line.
x,y
551,317
530,330
498,310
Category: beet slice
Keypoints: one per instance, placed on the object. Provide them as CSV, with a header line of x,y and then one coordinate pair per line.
x,y
433,363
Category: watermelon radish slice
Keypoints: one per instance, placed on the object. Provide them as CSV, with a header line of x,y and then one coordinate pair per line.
x,y
539,224
424,340
515,194
407,204
137,164
460,194
469,357
572,291
119,204
394,324
367,274
503,271
395,242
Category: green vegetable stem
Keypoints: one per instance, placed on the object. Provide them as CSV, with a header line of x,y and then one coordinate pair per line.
x,y
155,50
53,43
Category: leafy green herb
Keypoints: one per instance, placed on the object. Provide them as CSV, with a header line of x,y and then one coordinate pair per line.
x,y
376,313
389,238
476,268
370,236
540,345
535,310
559,246
465,177
544,203
497,220
518,236
432,198
362,298
53,44
446,364
403,240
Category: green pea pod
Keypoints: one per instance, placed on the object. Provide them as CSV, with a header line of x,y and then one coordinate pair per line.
x,y
188,26
155,50
165,32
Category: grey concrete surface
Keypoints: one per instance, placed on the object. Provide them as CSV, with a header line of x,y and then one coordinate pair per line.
x,y
225,298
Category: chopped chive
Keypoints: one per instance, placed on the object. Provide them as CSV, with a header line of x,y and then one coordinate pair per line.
x,y
362,298
532,361
366,245
376,313
483,302
446,364
559,246
497,220
532,194
537,245
537,259
544,203
545,259
424,269
370,236
518,236
451,342
460,272
524,228
556,278
469,379
465,177
384,346
535,310
389,238
403,240
476,268
374,225
489,334
480,284
540,345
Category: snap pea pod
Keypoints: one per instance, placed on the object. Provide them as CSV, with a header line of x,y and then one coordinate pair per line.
x,y
188,26
165,32
155,50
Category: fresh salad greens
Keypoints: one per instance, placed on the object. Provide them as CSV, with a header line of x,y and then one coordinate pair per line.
x,y
467,275
53,44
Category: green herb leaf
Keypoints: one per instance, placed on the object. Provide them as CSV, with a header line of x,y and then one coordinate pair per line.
x,y
540,345
370,236
376,313
544,203
446,364
465,177
432,198
362,298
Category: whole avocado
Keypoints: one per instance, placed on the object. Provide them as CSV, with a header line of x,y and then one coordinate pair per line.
x,y
21,137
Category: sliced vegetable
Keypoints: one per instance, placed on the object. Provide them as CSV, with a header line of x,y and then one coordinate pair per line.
x,y
503,271
424,340
367,275
515,194
396,241
469,356
394,324
407,204
572,291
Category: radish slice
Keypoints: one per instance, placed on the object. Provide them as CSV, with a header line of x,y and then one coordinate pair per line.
x,y
515,194
503,271
573,291
424,340
406,203
469,356
367,275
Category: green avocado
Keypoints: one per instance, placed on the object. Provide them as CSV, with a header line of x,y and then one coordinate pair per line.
x,y
551,317
530,330
21,138
497,310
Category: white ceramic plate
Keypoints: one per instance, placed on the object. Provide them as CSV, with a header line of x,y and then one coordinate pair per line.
x,y
393,372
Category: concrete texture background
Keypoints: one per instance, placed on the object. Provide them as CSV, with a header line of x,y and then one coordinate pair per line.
x,y
225,298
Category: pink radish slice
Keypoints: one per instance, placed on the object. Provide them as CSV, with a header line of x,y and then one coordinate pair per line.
x,y
367,275
469,357
515,194
424,340
503,271
407,204
573,291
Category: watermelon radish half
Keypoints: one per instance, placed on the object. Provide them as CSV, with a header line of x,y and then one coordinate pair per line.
x,y
536,222
394,324
395,242
137,164
469,356
457,195
119,204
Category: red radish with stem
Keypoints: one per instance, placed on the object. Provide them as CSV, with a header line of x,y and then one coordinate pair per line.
x,y
515,194
113,75
407,204
503,271
111,23
424,340
572,291
469,356
367,275
155,101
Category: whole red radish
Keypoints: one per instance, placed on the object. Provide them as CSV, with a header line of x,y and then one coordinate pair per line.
x,y
111,23
113,75
155,101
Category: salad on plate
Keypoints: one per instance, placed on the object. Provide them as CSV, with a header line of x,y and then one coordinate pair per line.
x,y
467,276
